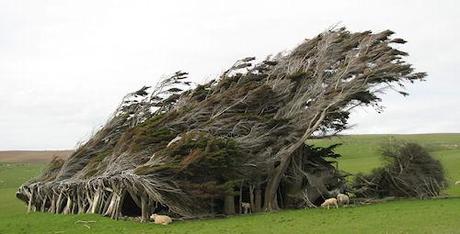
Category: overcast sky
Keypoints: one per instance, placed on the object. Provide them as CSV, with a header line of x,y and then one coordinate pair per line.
x,y
65,65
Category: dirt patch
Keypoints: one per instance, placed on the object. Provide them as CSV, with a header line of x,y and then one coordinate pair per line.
x,y
22,156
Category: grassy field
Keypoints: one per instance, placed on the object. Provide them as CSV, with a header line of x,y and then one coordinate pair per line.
x,y
360,153
31,156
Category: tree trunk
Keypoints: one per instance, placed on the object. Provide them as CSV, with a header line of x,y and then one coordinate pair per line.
x,y
285,159
42,208
257,199
53,204
251,197
59,203
119,204
229,205
68,205
144,210
241,198
29,206
107,203
271,189
111,206
96,202
81,203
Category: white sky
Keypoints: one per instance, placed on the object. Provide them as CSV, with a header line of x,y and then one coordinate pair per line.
x,y
65,65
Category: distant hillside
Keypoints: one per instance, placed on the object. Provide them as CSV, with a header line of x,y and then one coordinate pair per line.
x,y
23,156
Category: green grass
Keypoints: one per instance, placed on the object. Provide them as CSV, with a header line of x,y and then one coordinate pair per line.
x,y
433,216
359,154
12,175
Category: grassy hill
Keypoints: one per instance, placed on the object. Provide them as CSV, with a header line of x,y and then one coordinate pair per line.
x,y
360,154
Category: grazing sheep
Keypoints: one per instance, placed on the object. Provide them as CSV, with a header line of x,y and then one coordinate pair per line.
x,y
457,182
330,202
246,207
161,219
343,199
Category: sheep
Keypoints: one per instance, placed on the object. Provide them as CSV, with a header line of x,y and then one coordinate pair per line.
x,y
330,202
343,199
457,182
246,207
161,219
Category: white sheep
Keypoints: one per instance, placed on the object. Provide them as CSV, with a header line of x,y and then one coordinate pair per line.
x,y
161,219
330,202
457,182
343,199
246,207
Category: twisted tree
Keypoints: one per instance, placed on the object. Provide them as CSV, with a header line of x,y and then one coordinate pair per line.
x,y
204,150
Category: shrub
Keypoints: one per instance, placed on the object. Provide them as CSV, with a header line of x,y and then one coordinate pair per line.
x,y
409,171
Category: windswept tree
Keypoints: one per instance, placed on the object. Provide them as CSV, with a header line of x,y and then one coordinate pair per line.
x,y
239,138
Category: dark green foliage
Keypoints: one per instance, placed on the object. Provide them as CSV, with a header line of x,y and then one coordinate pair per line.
x,y
142,91
200,158
323,152
298,75
336,122
205,166
221,161
174,90
95,163
314,159
365,97
149,133
409,171
200,92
